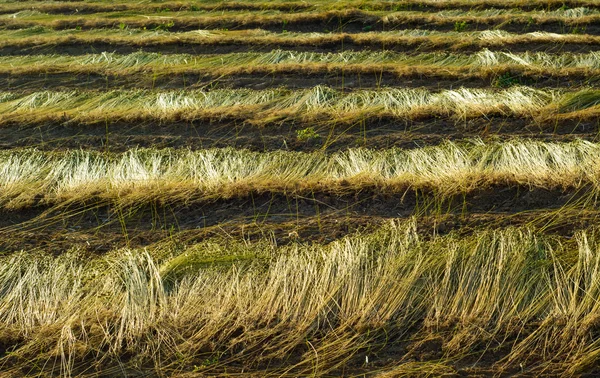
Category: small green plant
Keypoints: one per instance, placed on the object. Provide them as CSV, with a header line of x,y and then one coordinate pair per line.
x,y
578,30
460,26
283,29
206,363
401,7
195,8
165,26
307,134
367,28
506,80
122,26
359,141
78,27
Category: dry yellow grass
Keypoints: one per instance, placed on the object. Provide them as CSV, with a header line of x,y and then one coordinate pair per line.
x,y
316,20
485,64
140,176
307,309
289,6
264,107
408,40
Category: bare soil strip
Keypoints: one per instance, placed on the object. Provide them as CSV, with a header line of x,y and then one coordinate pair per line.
x,y
302,77
311,217
371,133
334,43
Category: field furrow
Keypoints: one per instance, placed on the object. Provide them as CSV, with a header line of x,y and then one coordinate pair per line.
x,y
102,228
375,132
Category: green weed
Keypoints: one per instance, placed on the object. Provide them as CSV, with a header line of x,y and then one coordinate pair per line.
x,y
460,26
506,80
165,26
307,134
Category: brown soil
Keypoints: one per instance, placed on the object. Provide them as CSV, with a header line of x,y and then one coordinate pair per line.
x,y
428,351
416,45
312,217
372,133
293,79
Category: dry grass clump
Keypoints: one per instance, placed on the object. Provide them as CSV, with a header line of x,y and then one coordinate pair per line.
x,y
580,100
404,39
305,309
263,107
145,174
316,19
288,6
82,7
485,64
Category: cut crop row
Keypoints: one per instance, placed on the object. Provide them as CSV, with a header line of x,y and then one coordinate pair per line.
x,y
142,176
385,295
320,103
299,70
579,20
76,42
79,7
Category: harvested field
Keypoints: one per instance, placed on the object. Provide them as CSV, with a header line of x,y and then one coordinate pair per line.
x,y
315,188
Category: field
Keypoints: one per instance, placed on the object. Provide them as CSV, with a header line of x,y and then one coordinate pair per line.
x,y
280,188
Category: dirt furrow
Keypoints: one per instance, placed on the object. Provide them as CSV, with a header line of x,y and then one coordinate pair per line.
x,y
313,217
73,46
299,77
371,133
